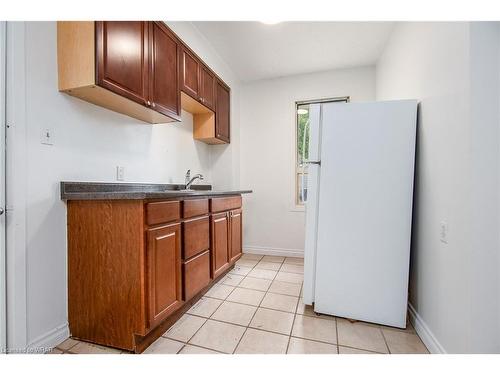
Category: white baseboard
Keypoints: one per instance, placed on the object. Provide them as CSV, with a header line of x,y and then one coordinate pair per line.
x,y
260,250
49,340
424,332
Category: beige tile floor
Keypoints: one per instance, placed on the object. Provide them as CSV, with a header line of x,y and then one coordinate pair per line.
x,y
257,308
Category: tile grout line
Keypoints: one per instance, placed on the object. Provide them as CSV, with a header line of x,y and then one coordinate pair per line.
x,y
263,330
293,322
267,291
255,312
385,340
207,319
188,342
364,350
337,333
72,346
253,315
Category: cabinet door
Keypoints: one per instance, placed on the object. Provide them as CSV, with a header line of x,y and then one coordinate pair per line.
x,y
220,243
236,230
122,58
190,74
163,77
163,272
222,112
207,87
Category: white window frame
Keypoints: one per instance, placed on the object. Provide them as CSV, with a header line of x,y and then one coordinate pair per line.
x,y
296,206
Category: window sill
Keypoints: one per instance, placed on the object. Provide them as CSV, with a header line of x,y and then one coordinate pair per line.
x,y
298,208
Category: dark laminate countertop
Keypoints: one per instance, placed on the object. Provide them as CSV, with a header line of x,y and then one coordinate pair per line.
x,y
105,190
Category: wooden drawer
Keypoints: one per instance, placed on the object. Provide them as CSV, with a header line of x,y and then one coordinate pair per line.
x,y
196,274
225,203
196,236
162,212
194,207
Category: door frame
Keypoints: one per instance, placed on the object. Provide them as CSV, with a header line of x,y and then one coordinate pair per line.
x,y
3,269
16,184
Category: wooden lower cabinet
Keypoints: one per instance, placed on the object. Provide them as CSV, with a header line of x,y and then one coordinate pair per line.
x,y
135,266
220,243
196,235
196,274
236,224
163,257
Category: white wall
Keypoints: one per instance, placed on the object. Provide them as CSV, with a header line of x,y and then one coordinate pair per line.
x,y
89,143
484,254
271,222
453,70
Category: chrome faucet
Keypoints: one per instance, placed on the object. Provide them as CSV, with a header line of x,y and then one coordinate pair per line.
x,y
189,181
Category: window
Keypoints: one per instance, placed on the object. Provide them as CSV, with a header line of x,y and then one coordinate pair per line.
x,y
302,148
302,133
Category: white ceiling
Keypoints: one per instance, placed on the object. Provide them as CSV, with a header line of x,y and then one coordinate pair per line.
x,y
254,50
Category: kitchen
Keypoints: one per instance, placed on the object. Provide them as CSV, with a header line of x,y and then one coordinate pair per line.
x,y
131,177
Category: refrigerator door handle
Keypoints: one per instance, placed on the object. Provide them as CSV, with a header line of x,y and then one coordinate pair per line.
x,y
317,162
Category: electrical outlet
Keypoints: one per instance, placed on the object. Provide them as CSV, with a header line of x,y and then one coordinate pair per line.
x,y
443,232
47,137
120,173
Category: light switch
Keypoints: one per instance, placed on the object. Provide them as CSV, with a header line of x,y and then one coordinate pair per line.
x,y
47,137
443,232
120,173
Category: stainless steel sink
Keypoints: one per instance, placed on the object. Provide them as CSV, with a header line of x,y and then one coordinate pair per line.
x,y
181,190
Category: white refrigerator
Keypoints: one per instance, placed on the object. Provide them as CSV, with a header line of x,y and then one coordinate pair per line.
x,y
359,209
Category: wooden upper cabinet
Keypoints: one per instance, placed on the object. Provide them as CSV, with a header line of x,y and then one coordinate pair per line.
x,y
222,112
163,77
164,273
123,58
207,87
190,74
143,70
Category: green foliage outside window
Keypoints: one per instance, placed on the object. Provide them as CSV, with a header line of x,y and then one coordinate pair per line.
x,y
302,135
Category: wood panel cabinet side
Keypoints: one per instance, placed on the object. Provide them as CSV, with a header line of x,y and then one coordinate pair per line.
x,y
105,286
204,126
142,321
75,54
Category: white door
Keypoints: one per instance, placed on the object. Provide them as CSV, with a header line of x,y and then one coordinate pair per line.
x,y
364,214
3,323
